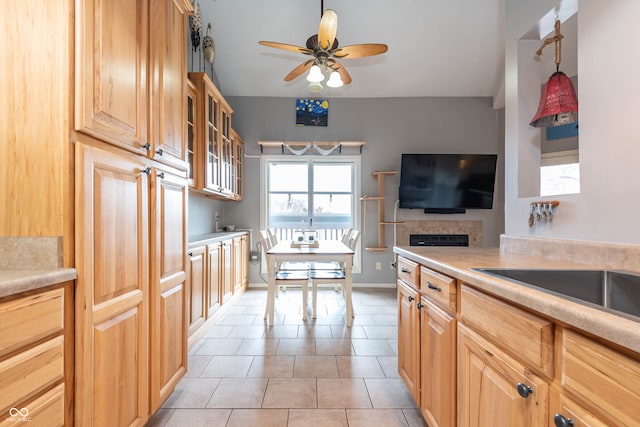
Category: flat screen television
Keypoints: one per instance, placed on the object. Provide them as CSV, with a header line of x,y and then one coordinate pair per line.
x,y
447,182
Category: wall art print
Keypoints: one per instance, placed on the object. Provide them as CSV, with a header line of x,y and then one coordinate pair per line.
x,y
312,112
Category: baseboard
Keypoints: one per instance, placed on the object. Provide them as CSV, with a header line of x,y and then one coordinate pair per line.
x,y
354,285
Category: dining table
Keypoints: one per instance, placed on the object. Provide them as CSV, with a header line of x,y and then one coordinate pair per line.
x,y
326,251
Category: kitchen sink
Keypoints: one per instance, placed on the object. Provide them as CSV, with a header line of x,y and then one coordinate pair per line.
x,y
614,291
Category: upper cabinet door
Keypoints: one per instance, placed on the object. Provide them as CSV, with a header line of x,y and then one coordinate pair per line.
x,y
111,72
167,44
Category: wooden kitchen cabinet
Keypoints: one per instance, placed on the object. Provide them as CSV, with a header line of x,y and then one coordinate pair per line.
x,y
494,389
215,155
226,270
167,293
112,293
111,95
437,365
167,54
240,263
196,288
565,412
237,179
36,356
192,130
409,338
213,284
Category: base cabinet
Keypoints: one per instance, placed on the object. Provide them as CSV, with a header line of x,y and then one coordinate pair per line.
x,y
494,389
226,270
409,339
213,295
36,357
196,288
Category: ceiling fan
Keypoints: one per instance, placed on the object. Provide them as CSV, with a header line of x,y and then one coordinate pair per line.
x,y
324,49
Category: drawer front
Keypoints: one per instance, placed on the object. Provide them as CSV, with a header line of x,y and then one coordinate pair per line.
x,y
602,376
46,410
30,371
524,335
439,288
408,272
30,318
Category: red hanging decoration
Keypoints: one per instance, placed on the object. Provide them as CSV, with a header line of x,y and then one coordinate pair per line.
x,y
558,102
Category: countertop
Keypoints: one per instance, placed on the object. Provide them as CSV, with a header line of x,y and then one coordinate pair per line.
x,y
18,281
459,263
203,239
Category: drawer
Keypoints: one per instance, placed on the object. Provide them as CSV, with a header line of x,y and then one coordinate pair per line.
x,y
524,335
46,410
28,319
603,376
438,288
408,272
32,370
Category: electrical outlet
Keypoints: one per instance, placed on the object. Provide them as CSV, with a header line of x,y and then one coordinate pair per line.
x,y
378,266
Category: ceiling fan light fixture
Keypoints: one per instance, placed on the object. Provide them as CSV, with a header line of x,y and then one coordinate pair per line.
x,y
315,87
315,75
335,80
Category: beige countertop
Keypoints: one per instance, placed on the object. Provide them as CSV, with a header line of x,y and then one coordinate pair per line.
x,y
203,239
18,281
460,262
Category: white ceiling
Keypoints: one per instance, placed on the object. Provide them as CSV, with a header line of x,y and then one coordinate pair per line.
x,y
436,47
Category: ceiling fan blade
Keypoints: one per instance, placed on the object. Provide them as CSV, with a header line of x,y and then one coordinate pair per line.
x,y
284,46
298,70
328,28
360,50
344,74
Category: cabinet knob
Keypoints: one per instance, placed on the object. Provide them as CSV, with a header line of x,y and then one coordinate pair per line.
x,y
159,152
419,305
190,254
147,171
146,146
524,390
561,421
410,298
435,288
161,175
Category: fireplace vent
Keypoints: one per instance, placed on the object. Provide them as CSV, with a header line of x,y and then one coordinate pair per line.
x,y
439,240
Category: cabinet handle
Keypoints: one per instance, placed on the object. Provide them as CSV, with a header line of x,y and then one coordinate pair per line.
x,y
561,421
404,270
410,298
435,288
147,171
146,146
159,152
190,254
524,390
419,305
161,175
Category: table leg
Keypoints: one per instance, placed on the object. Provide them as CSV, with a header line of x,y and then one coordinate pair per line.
x,y
347,289
271,290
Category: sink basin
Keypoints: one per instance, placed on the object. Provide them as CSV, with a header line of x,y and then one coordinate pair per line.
x,y
615,291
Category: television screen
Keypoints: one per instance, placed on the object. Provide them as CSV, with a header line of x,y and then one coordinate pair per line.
x,y
447,181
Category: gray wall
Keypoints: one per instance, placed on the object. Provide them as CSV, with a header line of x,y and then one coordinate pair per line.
x,y
390,127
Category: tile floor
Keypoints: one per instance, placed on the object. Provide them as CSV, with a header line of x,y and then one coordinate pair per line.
x,y
296,373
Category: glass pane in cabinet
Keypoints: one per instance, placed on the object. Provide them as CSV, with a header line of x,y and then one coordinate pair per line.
x,y
190,109
210,109
190,138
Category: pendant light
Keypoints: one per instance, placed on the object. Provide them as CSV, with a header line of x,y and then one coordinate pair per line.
x,y
558,103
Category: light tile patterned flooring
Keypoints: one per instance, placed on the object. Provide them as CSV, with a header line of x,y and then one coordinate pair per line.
x,y
296,373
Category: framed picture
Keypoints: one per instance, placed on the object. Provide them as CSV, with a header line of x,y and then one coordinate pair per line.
x,y
312,112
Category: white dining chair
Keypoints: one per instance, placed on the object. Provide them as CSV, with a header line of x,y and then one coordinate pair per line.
x,y
336,277
287,278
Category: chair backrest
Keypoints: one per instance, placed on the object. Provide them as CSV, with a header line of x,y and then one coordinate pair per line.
x,y
265,241
347,236
353,239
272,236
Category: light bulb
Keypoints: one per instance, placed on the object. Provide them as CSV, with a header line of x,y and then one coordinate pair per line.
x,y
334,80
315,74
315,87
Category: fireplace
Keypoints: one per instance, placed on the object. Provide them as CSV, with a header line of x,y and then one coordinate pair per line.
x,y
439,233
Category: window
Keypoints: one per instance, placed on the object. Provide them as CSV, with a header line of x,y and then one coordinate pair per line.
x,y
559,173
312,193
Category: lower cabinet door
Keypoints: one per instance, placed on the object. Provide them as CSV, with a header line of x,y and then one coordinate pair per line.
x,y
566,412
168,330
409,339
438,366
213,281
111,305
494,389
196,280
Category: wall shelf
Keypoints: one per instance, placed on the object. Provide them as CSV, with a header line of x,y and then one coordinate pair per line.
x,y
379,176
